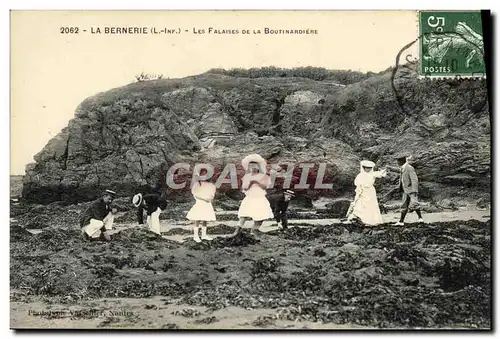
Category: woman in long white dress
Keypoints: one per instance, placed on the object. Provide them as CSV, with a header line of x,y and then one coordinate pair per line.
x,y
202,211
255,205
365,206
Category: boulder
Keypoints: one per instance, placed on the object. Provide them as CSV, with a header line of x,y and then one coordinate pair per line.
x,y
338,207
128,138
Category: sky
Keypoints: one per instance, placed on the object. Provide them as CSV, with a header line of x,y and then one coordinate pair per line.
x,y
52,72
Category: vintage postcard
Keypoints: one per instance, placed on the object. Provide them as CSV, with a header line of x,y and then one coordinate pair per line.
x,y
290,170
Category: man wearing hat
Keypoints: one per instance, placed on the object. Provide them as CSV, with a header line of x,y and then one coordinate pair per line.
x,y
279,205
153,204
97,220
408,183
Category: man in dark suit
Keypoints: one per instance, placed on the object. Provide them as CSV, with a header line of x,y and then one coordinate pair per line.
x,y
97,220
408,184
279,205
153,204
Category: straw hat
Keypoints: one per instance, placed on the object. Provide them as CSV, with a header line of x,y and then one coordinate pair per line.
x,y
254,158
137,200
402,156
110,192
367,163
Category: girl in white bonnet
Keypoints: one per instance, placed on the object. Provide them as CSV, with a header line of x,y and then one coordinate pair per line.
x,y
365,206
204,193
255,205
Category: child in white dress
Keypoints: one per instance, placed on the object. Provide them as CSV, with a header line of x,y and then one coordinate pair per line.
x,y
255,205
202,211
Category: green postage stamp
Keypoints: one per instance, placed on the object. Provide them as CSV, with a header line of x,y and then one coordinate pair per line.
x,y
451,44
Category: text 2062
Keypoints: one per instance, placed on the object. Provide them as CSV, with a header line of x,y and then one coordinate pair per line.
x,y
70,30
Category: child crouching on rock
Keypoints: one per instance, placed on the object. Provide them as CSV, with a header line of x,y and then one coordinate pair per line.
x,y
204,193
153,204
97,220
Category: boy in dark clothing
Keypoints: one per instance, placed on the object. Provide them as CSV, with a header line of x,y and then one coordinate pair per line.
x,y
153,204
279,205
97,220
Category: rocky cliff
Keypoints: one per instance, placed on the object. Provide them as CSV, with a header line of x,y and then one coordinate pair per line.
x,y
128,137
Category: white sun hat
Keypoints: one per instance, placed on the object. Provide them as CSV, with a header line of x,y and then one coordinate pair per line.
x,y
367,163
137,199
254,158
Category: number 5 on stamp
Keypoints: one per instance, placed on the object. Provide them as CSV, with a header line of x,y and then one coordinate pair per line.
x,y
451,44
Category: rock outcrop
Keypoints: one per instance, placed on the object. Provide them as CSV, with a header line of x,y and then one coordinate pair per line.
x,y
127,138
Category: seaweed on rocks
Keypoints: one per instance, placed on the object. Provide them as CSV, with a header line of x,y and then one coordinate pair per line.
x,y
55,239
304,216
428,275
221,229
314,232
142,236
458,273
19,233
217,229
178,231
52,215
227,217
242,239
263,266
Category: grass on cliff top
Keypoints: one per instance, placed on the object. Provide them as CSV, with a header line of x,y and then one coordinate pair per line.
x,y
306,78
344,77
